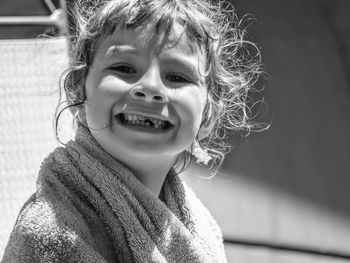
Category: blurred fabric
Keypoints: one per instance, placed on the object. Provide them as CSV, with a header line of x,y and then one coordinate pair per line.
x,y
29,76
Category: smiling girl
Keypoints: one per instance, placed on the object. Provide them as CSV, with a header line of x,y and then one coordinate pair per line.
x,y
152,83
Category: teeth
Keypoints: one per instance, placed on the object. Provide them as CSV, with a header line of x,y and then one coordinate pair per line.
x,y
146,121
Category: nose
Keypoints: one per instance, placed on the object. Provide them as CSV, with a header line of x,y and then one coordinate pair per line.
x,y
150,88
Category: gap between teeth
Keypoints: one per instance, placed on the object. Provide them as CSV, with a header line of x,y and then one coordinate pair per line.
x,y
135,119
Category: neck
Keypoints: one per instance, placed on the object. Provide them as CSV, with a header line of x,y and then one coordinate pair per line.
x,y
151,173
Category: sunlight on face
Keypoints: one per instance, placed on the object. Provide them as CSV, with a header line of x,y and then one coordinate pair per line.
x,y
146,93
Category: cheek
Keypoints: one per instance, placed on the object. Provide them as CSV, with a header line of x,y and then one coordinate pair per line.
x,y
190,106
101,96
109,87
96,116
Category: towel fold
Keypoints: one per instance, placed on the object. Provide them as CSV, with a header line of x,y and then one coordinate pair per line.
x,y
88,207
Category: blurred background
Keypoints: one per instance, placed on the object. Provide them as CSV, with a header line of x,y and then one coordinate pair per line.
x,y
282,195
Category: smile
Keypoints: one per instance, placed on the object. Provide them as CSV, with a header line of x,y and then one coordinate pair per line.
x,y
145,121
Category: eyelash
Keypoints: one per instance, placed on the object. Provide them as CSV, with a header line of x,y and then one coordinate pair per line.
x,y
178,78
173,77
124,69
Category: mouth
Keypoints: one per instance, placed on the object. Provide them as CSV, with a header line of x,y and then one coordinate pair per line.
x,y
136,120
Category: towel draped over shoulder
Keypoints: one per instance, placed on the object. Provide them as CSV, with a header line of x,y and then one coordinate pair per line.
x,y
88,207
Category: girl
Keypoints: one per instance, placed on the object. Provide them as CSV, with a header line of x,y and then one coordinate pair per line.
x,y
152,83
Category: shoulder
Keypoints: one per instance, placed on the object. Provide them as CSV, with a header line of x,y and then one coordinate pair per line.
x,y
201,213
47,230
36,232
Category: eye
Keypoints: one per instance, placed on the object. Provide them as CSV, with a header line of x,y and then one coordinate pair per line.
x,y
178,78
124,69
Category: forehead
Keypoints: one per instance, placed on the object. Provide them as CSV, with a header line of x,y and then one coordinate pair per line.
x,y
147,37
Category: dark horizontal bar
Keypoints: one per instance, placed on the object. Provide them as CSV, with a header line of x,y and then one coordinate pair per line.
x,y
289,248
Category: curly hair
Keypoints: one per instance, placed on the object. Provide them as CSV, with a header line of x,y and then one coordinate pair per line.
x,y
233,63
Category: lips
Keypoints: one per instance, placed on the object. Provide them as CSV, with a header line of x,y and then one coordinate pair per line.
x,y
132,119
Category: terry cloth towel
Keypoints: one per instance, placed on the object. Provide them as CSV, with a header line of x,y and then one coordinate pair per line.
x,y
90,208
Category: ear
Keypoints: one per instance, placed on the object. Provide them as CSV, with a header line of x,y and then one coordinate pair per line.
x,y
210,120
205,129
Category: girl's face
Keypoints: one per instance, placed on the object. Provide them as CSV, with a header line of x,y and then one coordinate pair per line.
x,y
145,94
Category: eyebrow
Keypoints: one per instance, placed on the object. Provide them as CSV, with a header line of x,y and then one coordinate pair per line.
x,y
118,49
182,60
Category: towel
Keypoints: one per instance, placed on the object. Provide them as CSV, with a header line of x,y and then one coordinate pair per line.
x,y
88,207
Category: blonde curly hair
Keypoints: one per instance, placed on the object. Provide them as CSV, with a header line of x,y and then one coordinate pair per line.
x,y
233,63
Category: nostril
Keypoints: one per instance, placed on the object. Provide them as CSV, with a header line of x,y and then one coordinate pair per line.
x,y
139,94
158,98
147,95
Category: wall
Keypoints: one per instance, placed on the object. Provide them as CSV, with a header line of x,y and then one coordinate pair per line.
x,y
290,184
